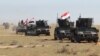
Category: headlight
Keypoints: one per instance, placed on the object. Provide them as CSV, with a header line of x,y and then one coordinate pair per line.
x,y
80,32
62,31
93,33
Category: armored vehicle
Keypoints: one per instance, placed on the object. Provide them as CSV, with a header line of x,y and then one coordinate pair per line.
x,y
84,31
42,27
21,27
31,28
37,28
64,29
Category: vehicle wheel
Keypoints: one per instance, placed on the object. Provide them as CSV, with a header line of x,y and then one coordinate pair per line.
x,y
72,39
89,41
26,33
78,39
55,37
60,36
95,40
47,34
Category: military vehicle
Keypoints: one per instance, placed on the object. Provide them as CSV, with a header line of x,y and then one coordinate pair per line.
x,y
64,29
6,25
84,31
31,28
42,27
37,28
21,27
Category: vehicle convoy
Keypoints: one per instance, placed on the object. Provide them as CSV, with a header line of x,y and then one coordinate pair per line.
x,y
64,29
21,27
37,28
84,31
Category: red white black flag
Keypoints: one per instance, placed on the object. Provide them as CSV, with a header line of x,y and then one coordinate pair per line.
x,y
65,15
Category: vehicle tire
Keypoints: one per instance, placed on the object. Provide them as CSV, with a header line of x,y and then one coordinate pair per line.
x,y
72,39
47,34
55,37
89,41
77,39
25,34
95,40
60,36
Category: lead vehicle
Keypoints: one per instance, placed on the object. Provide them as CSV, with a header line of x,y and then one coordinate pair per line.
x,y
84,31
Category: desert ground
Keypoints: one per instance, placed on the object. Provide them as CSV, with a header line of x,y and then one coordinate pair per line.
x,y
12,44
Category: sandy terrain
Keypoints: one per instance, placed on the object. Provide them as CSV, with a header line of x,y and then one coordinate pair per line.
x,y
12,44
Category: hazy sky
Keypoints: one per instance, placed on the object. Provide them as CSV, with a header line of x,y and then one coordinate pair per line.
x,y
15,10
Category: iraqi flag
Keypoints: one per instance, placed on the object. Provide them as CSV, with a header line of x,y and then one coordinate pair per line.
x,y
65,15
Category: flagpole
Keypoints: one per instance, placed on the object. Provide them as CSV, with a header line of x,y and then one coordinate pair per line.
x,y
80,15
57,19
57,15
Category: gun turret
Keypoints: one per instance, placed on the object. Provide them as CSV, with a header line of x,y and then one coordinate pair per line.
x,y
41,23
65,23
84,22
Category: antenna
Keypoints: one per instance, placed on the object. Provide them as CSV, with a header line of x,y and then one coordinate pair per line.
x,y
57,19
80,16
57,15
